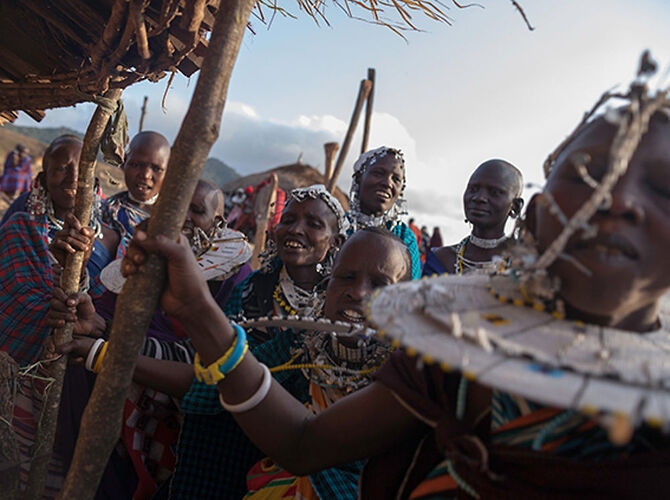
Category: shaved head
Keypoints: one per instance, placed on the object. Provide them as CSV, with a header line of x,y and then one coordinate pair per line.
x,y
509,173
209,189
152,140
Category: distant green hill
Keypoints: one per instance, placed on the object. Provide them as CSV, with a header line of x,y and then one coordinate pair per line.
x,y
218,172
45,134
215,170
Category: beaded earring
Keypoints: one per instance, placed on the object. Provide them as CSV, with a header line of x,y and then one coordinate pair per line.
x,y
38,199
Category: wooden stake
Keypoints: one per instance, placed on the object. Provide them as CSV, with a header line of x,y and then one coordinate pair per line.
x,y
330,148
363,92
144,112
368,111
44,441
9,448
139,298
266,199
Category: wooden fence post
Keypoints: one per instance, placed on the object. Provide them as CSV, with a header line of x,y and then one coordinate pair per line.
x,y
363,92
368,111
266,199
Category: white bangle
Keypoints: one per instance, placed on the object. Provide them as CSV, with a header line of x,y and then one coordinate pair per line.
x,y
255,399
91,354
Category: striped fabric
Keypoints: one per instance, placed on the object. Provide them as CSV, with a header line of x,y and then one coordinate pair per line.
x,y
121,214
25,281
518,422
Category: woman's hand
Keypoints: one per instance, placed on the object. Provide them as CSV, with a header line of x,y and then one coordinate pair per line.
x,y
77,309
186,291
72,238
78,349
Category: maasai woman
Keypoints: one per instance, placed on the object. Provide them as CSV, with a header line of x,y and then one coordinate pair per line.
x,y
603,245
150,416
492,196
332,367
18,173
32,244
378,197
312,227
144,170
34,240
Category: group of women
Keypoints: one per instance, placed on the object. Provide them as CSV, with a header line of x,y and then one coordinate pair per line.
x,y
292,396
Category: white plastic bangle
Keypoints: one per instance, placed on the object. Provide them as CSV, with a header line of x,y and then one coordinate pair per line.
x,y
91,354
255,399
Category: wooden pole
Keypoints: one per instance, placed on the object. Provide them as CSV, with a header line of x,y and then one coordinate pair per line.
x,y
266,199
139,298
330,148
9,448
363,92
144,112
368,111
70,279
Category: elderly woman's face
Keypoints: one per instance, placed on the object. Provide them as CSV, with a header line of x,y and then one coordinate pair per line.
x,y
380,185
628,258
305,232
61,170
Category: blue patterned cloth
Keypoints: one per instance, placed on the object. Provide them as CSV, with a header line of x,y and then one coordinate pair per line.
x,y
214,454
433,265
123,215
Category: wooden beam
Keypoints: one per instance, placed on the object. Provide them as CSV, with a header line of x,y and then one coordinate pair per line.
x,y
266,200
368,111
363,92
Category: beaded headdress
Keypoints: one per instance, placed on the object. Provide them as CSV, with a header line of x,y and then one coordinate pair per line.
x,y
508,332
399,208
319,192
314,192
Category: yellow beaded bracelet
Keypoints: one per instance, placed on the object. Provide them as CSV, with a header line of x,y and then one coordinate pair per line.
x,y
216,371
98,360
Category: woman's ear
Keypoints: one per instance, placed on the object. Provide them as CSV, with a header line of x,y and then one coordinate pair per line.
x,y
517,207
338,240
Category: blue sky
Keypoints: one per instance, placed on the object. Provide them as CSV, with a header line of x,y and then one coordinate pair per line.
x,y
450,96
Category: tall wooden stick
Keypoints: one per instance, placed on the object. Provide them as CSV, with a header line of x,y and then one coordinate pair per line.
x,y
144,112
368,111
330,149
139,297
70,279
363,92
266,197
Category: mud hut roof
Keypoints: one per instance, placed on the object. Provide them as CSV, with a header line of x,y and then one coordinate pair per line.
x,y
58,52
290,177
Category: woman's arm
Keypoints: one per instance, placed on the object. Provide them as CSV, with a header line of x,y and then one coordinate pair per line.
x,y
171,377
360,425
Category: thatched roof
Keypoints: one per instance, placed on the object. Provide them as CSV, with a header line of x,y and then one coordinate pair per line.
x,y
55,52
290,177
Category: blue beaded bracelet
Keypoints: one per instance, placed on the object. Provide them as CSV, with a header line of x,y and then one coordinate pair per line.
x,y
238,351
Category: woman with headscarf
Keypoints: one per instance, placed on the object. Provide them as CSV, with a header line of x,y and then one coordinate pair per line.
x,y
377,197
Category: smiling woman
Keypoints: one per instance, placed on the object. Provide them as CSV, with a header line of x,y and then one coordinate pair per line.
x,y
378,197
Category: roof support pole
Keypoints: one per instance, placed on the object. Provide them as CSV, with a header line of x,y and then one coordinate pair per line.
x,y
139,298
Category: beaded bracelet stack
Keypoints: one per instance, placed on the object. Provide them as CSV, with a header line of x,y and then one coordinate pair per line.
x,y
218,370
95,356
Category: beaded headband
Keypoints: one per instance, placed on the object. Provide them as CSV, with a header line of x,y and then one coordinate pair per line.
x,y
319,192
399,208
